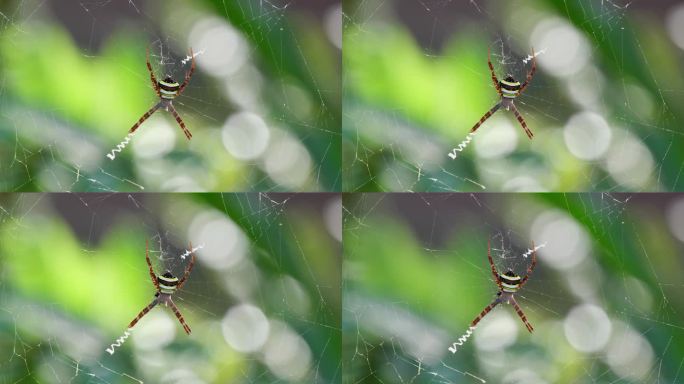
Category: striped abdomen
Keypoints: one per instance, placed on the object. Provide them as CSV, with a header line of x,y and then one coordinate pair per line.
x,y
168,89
509,89
510,283
167,283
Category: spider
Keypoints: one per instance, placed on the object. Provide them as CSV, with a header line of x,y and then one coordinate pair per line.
x,y
166,285
509,283
167,90
508,89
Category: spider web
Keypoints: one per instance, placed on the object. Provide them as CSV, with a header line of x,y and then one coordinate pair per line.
x,y
602,104
263,299
262,105
603,298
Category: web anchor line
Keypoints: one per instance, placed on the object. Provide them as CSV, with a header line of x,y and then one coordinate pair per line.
x,y
461,146
461,340
120,147
119,342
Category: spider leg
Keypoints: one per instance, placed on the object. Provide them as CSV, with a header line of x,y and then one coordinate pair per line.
x,y
491,69
188,75
491,262
521,314
155,84
530,74
486,116
143,313
187,269
522,121
485,312
144,117
149,264
180,121
531,267
179,316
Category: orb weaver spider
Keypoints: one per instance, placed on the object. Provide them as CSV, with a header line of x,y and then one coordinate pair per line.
x,y
508,89
167,90
166,286
509,283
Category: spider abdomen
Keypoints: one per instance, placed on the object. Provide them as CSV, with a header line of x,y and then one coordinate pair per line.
x,y
168,89
510,283
509,89
167,283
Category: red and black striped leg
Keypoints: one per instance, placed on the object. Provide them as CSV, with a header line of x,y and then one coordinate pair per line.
x,y
179,316
491,263
522,122
491,69
484,312
189,74
531,267
144,117
187,269
143,313
155,84
180,122
486,116
530,74
149,264
521,314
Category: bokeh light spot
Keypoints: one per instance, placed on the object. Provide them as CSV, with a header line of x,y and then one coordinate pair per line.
x,y
566,51
224,244
629,354
629,161
675,218
566,242
155,139
496,141
587,328
497,331
245,328
587,135
286,354
245,135
674,21
225,51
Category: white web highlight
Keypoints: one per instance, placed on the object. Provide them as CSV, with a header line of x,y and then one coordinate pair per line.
x,y
530,251
461,340
190,252
530,57
461,146
120,147
188,58
119,342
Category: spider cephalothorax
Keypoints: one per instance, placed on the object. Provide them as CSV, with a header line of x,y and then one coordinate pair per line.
x,y
508,89
508,284
167,90
166,285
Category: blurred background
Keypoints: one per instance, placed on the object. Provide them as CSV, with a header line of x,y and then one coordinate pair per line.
x,y
605,298
263,105
604,104
263,299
